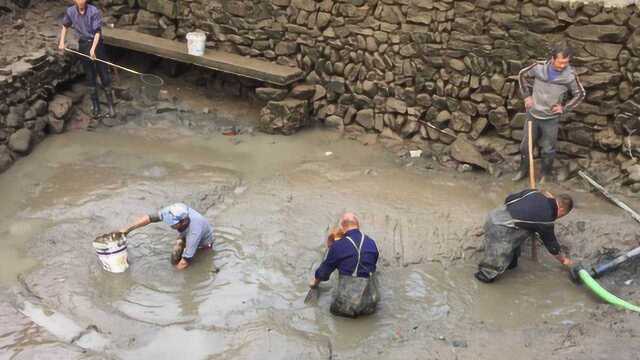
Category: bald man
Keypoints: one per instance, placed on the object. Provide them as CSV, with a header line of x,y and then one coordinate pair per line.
x,y
355,255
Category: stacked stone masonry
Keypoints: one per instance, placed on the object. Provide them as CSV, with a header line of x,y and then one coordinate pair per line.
x,y
395,64
29,105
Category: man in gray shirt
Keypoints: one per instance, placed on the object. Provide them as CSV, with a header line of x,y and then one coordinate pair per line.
x,y
551,82
194,230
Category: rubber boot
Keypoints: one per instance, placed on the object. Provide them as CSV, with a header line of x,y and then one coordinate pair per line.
x,y
95,104
483,278
109,95
523,170
546,169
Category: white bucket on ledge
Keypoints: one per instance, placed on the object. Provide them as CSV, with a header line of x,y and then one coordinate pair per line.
x,y
195,43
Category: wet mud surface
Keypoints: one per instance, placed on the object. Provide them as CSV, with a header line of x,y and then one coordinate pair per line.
x,y
271,200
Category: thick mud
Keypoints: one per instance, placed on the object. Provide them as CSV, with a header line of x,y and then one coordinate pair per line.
x,y
271,200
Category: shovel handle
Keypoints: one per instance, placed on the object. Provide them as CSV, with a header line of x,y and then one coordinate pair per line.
x,y
103,61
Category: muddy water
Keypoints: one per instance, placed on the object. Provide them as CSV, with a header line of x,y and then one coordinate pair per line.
x,y
271,200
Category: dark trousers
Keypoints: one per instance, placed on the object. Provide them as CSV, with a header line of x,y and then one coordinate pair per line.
x,y
544,133
93,69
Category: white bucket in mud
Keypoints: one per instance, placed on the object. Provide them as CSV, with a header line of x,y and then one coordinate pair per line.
x,y
112,252
195,43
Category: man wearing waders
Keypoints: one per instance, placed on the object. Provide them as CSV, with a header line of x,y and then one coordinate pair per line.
x,y
552,81
355,256
523,215
194,231
86,20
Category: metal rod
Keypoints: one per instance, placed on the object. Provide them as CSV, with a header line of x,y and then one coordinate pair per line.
x,y
608,195
532,181
102,61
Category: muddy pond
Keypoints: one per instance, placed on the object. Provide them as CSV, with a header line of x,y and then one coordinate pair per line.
x,y
271,200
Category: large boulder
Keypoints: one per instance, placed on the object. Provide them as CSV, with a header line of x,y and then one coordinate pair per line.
x,y
464,151
20,141
604,33
60,106
284,117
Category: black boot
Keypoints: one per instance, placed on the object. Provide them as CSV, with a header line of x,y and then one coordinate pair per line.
x,y
546,169
523,170
95,104
109,95
483,278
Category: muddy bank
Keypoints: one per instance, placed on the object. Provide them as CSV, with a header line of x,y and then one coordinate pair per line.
x,y
271,199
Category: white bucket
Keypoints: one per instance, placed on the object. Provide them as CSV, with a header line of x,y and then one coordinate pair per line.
x,y
195,43
112,252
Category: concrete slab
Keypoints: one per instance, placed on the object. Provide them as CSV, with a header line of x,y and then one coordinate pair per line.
x,y
212,59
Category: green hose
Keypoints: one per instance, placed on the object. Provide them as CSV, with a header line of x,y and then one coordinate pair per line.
x,y
603,294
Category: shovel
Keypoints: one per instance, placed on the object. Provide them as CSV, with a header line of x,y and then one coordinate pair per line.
x,y
313,293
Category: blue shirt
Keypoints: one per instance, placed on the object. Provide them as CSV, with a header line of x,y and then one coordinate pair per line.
x,y
85,25
343,256
199,233
553,73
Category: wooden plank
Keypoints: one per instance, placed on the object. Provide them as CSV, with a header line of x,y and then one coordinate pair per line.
x,y
212,59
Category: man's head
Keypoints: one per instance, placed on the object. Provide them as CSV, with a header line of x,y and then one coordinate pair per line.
x,y
176,216
80,3
561,56
349,221
565,204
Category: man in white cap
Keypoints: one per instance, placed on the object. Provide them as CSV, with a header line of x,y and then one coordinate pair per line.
x,y
194,230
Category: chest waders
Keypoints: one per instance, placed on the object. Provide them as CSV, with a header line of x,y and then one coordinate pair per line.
x,y
503,240
355,295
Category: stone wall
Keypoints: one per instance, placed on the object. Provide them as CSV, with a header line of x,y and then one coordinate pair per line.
x,y
395,64
29,105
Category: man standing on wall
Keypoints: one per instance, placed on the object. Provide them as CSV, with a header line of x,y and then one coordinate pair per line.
x,y
86,20
552,80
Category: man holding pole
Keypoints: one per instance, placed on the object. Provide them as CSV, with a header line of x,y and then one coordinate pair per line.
x,y
552,81
86,20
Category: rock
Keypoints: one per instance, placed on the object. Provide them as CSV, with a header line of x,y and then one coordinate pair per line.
x,y
410,127
286,48
388,134
424,100
236,7
334,121
55,125
604,33
608,139
5,158
497,82
336,84
460,122
60,106
39,107
598,79
457,65
494,100
581,136
634,42
443,117
271,94
464,151
303,91
603,50
368,139
15,118
478,127
285,116
519,120
20,141
634,173
396,105
365,118
499,118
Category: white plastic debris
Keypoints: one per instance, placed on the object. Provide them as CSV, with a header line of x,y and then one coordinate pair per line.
x,y
415,153
328,153
628,282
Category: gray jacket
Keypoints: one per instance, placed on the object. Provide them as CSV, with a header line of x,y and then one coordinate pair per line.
x,y
547,93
